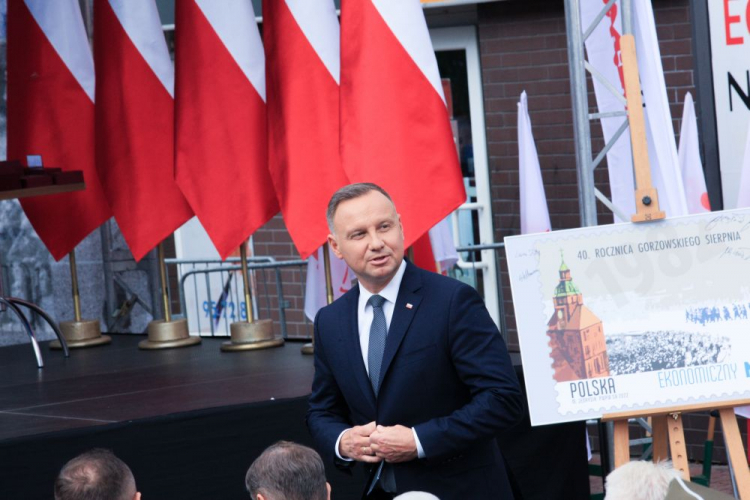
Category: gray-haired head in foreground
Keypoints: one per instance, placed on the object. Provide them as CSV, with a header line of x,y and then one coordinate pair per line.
x,y
349,193
416,495
95,475
287,471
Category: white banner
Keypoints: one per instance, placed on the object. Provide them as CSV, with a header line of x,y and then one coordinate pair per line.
x,y
603,50
632,317
729,23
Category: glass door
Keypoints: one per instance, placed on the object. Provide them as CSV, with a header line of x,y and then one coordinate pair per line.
x,y
458,60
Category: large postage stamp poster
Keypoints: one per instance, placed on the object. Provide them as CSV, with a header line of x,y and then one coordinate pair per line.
x,y
633,316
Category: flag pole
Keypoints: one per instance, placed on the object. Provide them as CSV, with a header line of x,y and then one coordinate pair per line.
x,y
79,332
327,267
167,333
250,334
309,348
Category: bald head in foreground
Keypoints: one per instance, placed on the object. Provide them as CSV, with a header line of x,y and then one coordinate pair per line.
x,y
96,475
287,471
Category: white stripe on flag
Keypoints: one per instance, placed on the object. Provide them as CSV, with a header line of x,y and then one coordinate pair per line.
x,y
318,21
315,284
234,23
534,212
443,247
62,24
690,160
140,20
406,20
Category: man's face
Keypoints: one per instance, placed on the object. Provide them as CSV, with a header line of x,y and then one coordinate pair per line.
x,y
367,234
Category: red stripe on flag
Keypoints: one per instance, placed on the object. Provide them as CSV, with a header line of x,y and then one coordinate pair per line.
x,y
303,118
423,256
395,129
134,139
50,114
221,152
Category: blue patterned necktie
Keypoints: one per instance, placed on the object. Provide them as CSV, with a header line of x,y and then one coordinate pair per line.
x,y
378,332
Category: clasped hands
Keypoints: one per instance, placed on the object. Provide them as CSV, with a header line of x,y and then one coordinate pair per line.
x,y
373,443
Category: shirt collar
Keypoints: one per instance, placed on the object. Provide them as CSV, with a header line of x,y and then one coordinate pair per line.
x,y
390,292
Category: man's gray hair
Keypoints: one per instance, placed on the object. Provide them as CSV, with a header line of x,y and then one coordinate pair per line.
x,y
95,475
349,193
287,471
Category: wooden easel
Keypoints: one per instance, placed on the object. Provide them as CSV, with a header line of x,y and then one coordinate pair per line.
x,y
667,427
646,197
667,432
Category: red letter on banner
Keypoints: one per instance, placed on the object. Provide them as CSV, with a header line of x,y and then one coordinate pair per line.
x,y
728,22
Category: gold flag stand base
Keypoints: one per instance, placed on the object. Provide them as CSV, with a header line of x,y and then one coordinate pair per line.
x,y
168,334
251,336
79,334
308,348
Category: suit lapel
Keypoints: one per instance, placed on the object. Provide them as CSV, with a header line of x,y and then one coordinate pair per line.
x,y
406,306
350,332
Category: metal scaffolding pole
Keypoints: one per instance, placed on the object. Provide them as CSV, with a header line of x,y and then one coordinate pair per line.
x,y
581,125
585,166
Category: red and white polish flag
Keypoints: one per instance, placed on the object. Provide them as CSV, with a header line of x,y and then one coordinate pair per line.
x,y
689,156
534,211
303,71
51,113
135,122
220,113
395,129
603,51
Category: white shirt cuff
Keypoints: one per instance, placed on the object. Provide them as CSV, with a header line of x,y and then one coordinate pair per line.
x,y
349,459
420,450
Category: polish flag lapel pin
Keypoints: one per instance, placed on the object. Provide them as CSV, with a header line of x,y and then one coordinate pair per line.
x,y
409,306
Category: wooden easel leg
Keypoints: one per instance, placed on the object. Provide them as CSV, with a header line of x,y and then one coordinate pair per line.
x,y
622,443
733,443
677,445
659,437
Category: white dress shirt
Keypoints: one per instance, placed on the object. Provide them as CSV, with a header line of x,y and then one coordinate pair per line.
x,y
364,322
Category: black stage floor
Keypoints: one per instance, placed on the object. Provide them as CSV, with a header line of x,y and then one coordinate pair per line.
x,y
119,382
190,421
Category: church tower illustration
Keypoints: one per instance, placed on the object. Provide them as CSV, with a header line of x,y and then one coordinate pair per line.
x,y
576,334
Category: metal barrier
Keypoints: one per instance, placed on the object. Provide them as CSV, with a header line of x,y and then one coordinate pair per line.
x,y
28,280
472,263
195,277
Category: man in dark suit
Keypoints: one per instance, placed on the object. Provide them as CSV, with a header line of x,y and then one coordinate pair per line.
x,y
411,374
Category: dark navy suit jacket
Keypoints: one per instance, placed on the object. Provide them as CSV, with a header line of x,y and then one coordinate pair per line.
x,y
445,372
